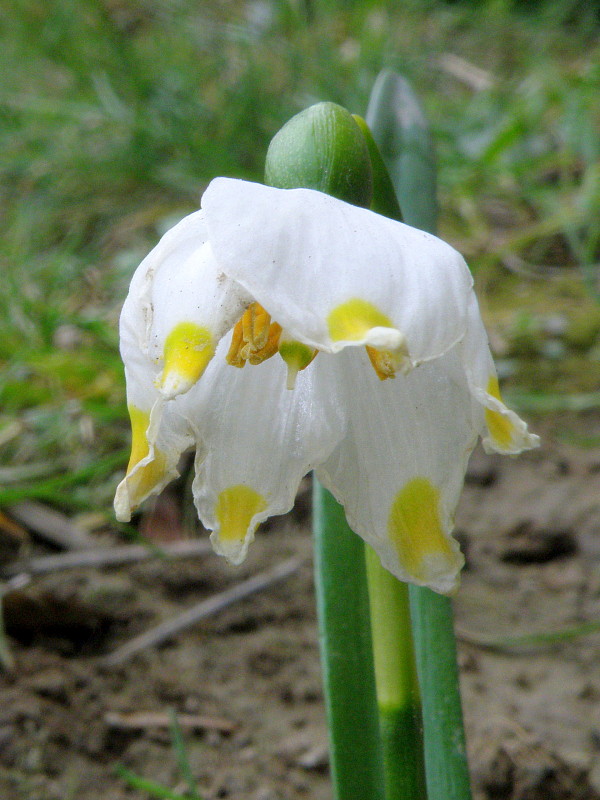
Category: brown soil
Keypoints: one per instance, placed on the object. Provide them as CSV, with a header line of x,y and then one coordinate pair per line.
x,y
530,528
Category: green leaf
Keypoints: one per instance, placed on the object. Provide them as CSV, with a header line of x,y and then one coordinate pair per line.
x,y
398,124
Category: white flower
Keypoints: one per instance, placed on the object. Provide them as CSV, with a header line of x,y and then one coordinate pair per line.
x,y
320,302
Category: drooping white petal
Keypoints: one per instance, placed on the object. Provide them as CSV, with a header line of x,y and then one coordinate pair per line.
x,y
178,307
335,275
159,434
158,440
177,244
186,303
258,440
194,307
399,471
506,432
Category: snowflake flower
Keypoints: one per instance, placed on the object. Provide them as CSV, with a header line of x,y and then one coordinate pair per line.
x,y
280,331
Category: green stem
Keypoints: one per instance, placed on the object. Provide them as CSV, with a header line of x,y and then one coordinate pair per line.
x,y
397,684
445,748
346,654
400,130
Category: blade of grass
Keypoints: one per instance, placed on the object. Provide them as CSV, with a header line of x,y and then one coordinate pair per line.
x,y
549,402
47,489
152,788
399,127
181,755
532,640
445,745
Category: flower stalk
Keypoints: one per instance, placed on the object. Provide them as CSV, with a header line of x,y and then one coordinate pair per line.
x,y
398,697
356,755
323,148
400,128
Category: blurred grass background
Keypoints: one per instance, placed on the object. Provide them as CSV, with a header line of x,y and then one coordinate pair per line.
x,y
115,114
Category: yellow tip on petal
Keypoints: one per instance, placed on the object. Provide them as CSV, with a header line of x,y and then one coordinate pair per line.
x,y
351,321
140,479
235,508
499,425
140,420
187,351
416,531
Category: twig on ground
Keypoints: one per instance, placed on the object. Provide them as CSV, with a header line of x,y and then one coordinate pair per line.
x,y
105,557
472,76
11,530
50,525
167,629
141,720
7,662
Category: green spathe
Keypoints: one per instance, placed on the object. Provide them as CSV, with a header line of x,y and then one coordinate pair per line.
x,y
322,148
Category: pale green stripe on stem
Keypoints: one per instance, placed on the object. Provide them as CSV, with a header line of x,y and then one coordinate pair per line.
x,y
397,684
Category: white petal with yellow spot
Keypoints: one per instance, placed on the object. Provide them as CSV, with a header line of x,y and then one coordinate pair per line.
x,y
258,331
159,437
400,469
334,275
506,432
193,308
178,307
259,440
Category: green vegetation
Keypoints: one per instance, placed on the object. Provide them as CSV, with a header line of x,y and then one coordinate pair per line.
x,y
114,115
153,789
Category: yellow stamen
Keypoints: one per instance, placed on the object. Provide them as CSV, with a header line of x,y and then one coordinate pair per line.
x,y
415,529
297,356
235,508
270,347
385,363
500,426
146,477
255,324
188,349
351,321
255,338
233,356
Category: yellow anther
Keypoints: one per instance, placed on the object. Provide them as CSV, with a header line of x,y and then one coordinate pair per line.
x,y
270,347
387,363
383,361
255,326
255,338
233,356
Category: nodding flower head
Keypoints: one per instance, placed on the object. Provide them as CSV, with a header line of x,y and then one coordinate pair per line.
x,y
279,331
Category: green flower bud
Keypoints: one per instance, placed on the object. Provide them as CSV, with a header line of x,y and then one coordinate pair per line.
x,y
322,148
